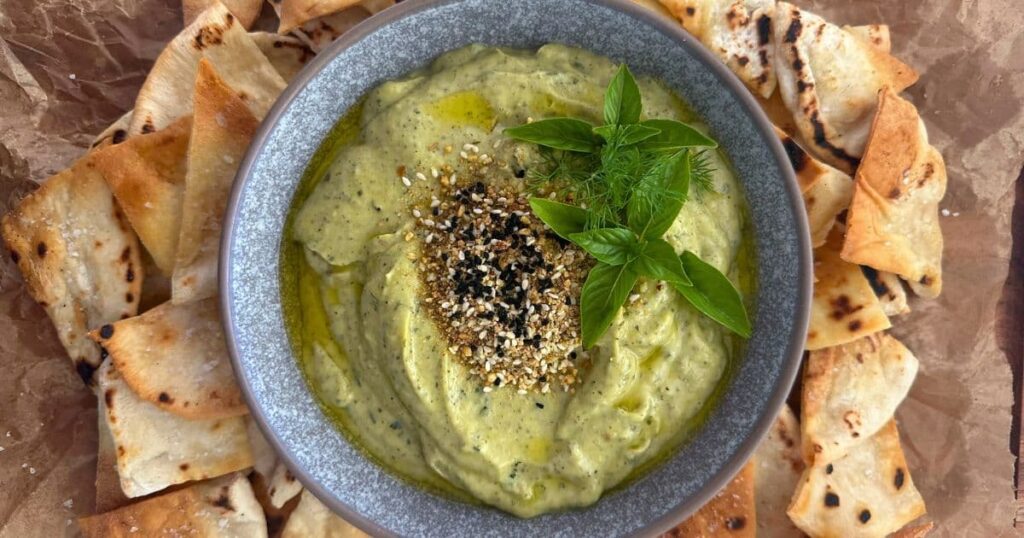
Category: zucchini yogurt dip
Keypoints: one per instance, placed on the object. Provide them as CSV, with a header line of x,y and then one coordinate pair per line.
x,y
438,318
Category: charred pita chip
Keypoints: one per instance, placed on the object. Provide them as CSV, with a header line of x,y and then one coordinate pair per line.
x,y
295,13
216,35
877,35
78,255
246,11
221,130
156,449
174,356
893,224
850,392
147,176
287,54
844,307
318,33
263,456
311,519
115,133
824,201
731,512
283,485
889,289
738,32
225,507
829,80
779,466
108,486
868,493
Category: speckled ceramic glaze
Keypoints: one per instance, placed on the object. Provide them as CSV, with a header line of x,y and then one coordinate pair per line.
x,y
409,36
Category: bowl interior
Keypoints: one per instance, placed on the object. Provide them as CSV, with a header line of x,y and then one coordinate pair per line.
x,y
409,36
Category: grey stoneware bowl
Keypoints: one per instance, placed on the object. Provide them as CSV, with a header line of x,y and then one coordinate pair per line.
x,y
409,36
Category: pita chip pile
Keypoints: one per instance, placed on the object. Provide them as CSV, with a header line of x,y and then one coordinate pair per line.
x,y
871,185
121,251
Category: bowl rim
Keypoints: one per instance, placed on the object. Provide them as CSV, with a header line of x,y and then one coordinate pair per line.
x,y
788,370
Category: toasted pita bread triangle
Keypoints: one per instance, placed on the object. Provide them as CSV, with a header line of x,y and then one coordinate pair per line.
x,y
877,35
246,11
311,519
917,531
225,507
868,493
295,13
147,175
738,32
731,512
287,54
216,35
850,392
826,191
157,449
174,357
221,131
264,459
889,289
829,80
779,466
283,485
108,485
115,133
893,224
318,33
843,307
78,255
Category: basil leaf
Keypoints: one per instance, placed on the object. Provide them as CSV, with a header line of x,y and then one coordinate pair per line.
x,y
659,197
622,103
713,294
625,135
659,261
614,246
563,219
605,291
675,135
560,133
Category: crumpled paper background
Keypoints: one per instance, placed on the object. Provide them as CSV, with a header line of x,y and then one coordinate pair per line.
x,y
68,68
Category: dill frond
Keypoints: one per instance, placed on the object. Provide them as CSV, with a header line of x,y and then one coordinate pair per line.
x,y
701,172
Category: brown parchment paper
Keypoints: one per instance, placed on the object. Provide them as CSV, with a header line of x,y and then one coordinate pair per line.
x,y
70,67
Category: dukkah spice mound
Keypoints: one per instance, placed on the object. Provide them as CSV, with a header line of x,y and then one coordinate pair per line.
x,y
502,289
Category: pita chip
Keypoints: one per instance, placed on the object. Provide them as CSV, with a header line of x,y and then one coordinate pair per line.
x,y
916,531
778,471
877,35
850,392
156,449
889,289
78,255
843,307
295,13
108,485
115,133
893,225
738,32
311,519
221,130
829,80
826,191
320,32
263,456
283,486
225,507
174,356
147,176
731,512
287,54
216,35
868,493
246,11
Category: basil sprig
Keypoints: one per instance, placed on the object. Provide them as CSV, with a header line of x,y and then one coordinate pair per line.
x,y
639,177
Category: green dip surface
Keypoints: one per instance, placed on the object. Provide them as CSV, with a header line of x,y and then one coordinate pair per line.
x,y
378,362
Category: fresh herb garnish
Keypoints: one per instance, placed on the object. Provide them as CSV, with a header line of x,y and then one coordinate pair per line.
x,y
630,179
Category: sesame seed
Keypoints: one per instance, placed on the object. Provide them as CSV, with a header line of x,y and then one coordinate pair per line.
x,y
406,182
420,176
